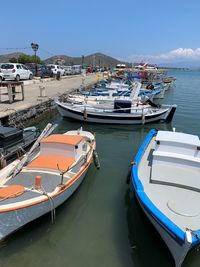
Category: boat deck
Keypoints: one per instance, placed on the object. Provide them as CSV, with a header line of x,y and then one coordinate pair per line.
x,y
27,179
178,202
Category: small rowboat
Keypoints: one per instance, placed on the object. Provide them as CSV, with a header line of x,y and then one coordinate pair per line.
x,y
165,180
43,181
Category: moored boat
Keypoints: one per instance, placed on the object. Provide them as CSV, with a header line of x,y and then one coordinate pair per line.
x,y
43,181
15,141
165,180
118,112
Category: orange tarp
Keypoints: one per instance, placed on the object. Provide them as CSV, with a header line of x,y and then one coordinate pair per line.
x,y
51,162
63,139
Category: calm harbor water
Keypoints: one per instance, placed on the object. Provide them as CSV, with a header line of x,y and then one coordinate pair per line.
x,y
101,225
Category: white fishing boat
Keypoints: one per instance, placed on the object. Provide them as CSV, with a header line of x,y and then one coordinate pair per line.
x,y
110,91
165,179
41,182
117,112
136,94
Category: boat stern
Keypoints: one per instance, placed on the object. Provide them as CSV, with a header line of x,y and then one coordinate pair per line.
x,y
170,113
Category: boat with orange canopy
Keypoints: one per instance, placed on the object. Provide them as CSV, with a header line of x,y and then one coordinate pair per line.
x,y
44,180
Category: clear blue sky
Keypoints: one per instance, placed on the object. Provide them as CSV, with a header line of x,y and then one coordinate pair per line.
x,y
128,29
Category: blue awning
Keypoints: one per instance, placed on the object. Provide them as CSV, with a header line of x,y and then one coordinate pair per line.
x,y
135,77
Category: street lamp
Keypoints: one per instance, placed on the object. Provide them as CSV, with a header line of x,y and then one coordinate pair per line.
x,y
35,48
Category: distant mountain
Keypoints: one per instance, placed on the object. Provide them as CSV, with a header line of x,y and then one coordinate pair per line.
x,y
102,60
97,59
66,60
5,58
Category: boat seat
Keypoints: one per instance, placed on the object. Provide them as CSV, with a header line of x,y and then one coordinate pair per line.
x,y
161,154
177,139
176,175
172,168
11,191
51,162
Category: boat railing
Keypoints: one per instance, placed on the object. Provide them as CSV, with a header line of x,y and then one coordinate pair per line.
x,y
141,110
168,106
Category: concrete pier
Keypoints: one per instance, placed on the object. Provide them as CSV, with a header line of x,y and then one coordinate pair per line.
x,y
38,96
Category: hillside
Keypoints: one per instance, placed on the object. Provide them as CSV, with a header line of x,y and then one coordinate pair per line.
x,y
97,59
7,57
93,59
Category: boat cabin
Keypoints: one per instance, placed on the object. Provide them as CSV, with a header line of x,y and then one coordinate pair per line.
x,y
120,66
122,106
176,160
59,151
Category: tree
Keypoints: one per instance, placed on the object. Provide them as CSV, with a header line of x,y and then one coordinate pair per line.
x,y
23,59
13,60
37,59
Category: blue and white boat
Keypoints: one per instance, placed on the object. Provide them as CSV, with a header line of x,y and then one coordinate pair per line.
x,y
165,178
105,95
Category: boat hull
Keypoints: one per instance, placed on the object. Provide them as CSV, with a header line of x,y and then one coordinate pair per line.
x,y
165,115
13,220
177,249
178,241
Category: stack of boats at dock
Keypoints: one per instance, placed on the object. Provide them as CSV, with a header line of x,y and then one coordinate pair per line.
x,y
126,101
164,175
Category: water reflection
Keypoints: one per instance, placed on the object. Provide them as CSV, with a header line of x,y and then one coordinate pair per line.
x,y
148,249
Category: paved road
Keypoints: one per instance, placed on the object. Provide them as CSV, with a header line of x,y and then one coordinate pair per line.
x,y
32,91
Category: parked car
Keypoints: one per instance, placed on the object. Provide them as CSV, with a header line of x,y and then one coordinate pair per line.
x,y
1,76
68,70
57,69
15,71
43,71
76,69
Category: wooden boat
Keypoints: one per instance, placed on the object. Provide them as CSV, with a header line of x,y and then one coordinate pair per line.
x,y
165,179
118,112
14,142
42,181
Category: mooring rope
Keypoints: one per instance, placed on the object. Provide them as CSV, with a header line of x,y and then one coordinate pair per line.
x,y
51,201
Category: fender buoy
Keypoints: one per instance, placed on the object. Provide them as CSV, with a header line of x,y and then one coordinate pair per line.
x,y
128,176
85,114
96,159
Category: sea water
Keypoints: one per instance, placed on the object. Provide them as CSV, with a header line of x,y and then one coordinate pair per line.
x,y
102,225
